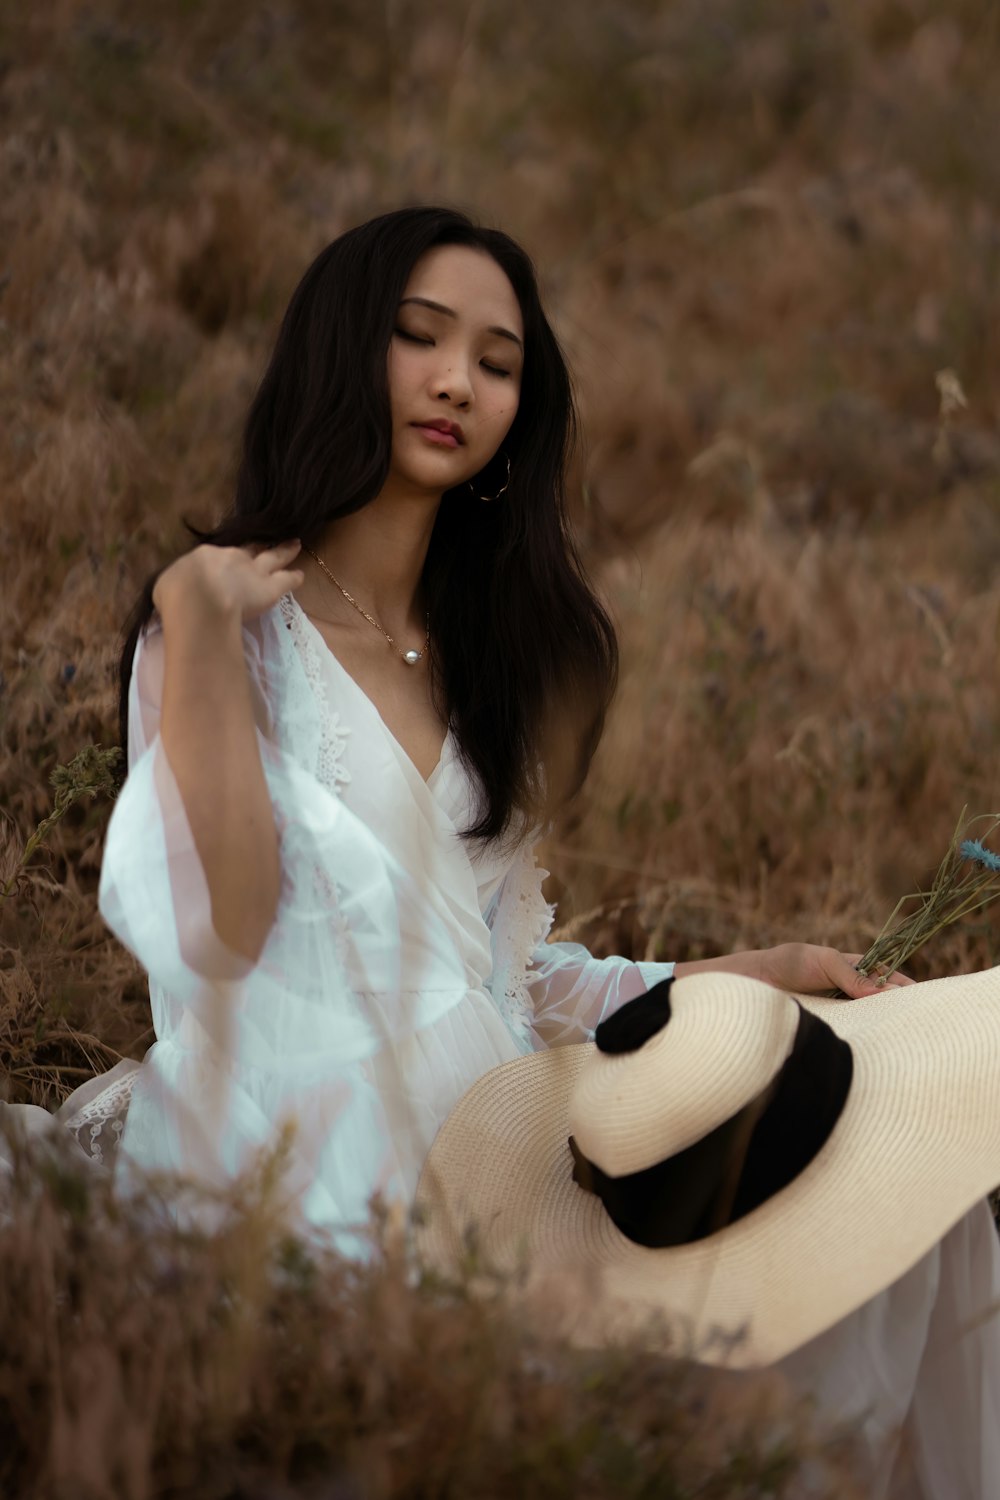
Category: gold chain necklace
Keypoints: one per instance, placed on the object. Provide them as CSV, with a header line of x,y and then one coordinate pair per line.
x,y
410,657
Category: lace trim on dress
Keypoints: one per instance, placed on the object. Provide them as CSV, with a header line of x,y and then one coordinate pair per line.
x,y
97,1126
332,737
330,768
524,919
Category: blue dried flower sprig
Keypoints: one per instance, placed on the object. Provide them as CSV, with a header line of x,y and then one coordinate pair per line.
x,y
967,879
976,851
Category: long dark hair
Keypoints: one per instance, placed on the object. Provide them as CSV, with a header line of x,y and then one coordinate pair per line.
x,y
524,655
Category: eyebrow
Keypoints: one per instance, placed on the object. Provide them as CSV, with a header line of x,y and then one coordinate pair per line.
x,y
450,312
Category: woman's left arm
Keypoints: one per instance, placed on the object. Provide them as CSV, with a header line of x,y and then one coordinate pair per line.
x,y
803,968
572,992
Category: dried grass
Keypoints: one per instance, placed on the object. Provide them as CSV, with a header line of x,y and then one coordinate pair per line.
x,y
814,712
777,228
142,1359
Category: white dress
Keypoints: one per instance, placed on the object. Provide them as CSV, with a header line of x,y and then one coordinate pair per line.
x,y
402,966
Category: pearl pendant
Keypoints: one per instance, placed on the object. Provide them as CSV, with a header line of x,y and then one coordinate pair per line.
x,y
412,657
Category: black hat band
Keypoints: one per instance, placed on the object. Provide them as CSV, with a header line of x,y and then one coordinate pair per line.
x,y
742,1162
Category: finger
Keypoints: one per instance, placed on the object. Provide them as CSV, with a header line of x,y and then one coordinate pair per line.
x,y
873,984
281,554
842,971
881,982
890,981
278,555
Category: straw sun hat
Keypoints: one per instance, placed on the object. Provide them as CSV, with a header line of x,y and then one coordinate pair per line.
x,y
746,1165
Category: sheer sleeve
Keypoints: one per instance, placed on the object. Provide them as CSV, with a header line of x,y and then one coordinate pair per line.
x,y
554,992
151,865
572,992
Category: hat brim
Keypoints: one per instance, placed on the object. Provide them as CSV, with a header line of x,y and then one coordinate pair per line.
x,y
917,1144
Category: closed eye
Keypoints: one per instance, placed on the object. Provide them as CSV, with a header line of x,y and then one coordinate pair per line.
x,y
416,338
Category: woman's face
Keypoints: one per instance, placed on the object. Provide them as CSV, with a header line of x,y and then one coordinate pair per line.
x,y
455,364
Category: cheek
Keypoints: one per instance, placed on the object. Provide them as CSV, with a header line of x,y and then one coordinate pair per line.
x,y
401,375
503,406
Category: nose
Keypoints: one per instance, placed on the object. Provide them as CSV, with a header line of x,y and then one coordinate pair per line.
x,y
452,384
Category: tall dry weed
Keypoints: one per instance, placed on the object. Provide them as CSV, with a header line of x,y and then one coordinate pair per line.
x,y
143,1358
814,712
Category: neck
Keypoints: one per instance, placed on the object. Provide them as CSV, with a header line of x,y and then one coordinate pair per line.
x,y
378,554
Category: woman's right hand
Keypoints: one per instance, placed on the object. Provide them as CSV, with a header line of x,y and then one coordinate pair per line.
x,y
229,582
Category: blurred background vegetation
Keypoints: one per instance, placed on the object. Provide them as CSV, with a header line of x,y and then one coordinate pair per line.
x,y
763,231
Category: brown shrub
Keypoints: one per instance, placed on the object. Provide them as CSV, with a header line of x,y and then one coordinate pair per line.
x,y
143,1358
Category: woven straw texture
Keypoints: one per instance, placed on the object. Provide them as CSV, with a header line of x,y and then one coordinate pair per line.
x,y
917,1144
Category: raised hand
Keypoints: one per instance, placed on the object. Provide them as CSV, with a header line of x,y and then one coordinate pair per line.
x,y
229,581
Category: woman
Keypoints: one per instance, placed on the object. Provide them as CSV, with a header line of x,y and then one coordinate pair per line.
x,y
349,712
395,567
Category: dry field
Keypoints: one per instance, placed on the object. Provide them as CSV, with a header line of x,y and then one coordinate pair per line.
x,y
764,231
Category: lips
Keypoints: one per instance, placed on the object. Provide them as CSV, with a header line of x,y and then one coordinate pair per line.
x,y
447,434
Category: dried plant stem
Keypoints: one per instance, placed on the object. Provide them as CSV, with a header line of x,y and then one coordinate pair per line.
x,y
90,773
960,888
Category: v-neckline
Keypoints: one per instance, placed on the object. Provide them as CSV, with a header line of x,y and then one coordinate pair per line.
x,y
428,781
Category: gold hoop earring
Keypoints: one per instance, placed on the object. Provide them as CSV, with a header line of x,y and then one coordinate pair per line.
x,y
488,499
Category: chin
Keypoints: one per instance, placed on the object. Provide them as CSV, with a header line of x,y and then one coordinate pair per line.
x,y
432,478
